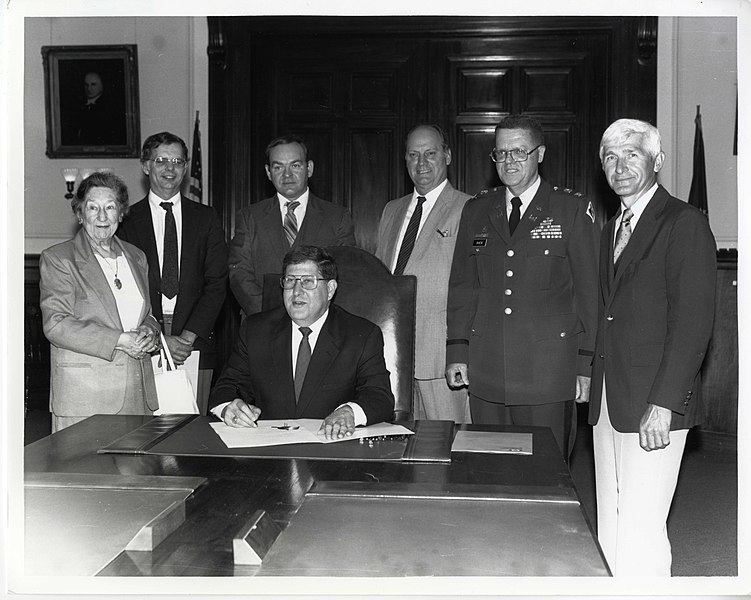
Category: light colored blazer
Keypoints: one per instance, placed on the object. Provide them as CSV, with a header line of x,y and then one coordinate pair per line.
x,y
81,321
430,262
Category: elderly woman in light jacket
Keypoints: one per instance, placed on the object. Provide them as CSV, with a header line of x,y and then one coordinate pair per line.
x,y
96,312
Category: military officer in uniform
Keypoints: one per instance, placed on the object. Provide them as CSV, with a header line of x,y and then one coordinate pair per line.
x,y
522,302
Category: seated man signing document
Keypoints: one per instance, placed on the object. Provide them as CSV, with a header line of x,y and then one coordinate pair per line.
x,y
310,359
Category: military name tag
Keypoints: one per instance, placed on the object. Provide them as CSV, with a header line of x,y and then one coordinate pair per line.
x,y
479,242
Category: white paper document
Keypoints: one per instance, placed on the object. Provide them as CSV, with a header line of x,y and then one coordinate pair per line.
x,y
492,442
294,431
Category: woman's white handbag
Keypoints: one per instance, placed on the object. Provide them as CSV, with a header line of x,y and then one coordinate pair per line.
x,y
173,388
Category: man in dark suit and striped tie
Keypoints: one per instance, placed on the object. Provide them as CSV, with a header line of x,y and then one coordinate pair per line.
x,y
267,230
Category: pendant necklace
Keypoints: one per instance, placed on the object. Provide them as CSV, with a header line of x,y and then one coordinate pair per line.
x,y
116,270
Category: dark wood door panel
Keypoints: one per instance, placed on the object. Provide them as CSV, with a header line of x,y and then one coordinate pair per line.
x,y
372,180
353,87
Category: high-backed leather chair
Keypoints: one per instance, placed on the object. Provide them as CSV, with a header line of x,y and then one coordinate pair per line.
x,y
366,288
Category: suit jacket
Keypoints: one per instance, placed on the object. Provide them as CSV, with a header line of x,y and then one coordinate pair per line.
x,y
430,261
347,365
203,270
522,309
655,315
259,244
81,321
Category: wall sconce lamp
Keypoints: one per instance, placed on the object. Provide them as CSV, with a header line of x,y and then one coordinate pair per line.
x,y
69,174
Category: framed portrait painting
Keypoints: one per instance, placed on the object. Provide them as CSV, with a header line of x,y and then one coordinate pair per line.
x,y
91,100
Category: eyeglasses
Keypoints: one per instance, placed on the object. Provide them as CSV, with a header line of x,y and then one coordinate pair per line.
x,y
163,161
517,154
308,282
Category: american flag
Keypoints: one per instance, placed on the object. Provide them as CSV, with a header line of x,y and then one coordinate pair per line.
x,y
698,194
195,191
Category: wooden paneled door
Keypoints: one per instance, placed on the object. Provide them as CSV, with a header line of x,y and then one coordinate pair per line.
x,y
350,101
353,87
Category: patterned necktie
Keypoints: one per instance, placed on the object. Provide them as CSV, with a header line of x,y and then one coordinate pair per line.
x,y
290,222
303,360
408,243
169,259
516,214
623,235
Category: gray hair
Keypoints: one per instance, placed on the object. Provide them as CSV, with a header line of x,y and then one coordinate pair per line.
x,y
622,129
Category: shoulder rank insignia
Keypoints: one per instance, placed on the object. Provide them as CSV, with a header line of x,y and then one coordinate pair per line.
x,y
568,191
591,211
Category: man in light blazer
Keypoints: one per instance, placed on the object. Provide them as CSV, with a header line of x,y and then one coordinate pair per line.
x,y
294,217
187,313
427,254
310,359
656,309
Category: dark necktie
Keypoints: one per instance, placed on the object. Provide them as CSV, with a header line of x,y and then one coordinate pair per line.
x,y
623,235
290,222
169,260
303,360
516,214
408,243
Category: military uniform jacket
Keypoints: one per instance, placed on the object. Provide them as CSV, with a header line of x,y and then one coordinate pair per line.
x,y
655,316
522,309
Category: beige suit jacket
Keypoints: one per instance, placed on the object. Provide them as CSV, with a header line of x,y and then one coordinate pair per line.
x,y
81,321
430,262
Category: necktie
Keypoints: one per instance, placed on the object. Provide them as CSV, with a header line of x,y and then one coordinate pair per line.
x,y
408,243
303,360
623,235
290,222
169,260
516,214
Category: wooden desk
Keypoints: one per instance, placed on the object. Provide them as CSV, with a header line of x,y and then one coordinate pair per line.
x,y
238,486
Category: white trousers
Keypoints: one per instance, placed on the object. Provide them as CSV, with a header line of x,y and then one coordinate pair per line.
x,y
634,491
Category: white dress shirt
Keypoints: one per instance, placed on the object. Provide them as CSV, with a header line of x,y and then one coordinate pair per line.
x,y
299,210
128,298
637,208
158,215
430,199
526,198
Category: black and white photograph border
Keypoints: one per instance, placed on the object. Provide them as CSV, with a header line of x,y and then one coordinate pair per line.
x,y
703,467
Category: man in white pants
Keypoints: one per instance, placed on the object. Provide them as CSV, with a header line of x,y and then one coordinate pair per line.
x,y
657,289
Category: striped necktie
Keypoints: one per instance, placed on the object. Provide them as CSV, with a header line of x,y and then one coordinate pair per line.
x,y
290,222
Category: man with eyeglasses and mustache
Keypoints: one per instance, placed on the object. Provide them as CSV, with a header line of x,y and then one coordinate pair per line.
x,y
187,255
522,302
309,359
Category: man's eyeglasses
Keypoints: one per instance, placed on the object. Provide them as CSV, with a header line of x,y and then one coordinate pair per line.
x,y
163,161
308,282
517,154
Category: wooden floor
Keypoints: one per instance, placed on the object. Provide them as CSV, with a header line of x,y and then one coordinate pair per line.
x,y
704,516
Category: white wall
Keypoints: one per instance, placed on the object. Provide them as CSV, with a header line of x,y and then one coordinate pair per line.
x,y
173,84
697,64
